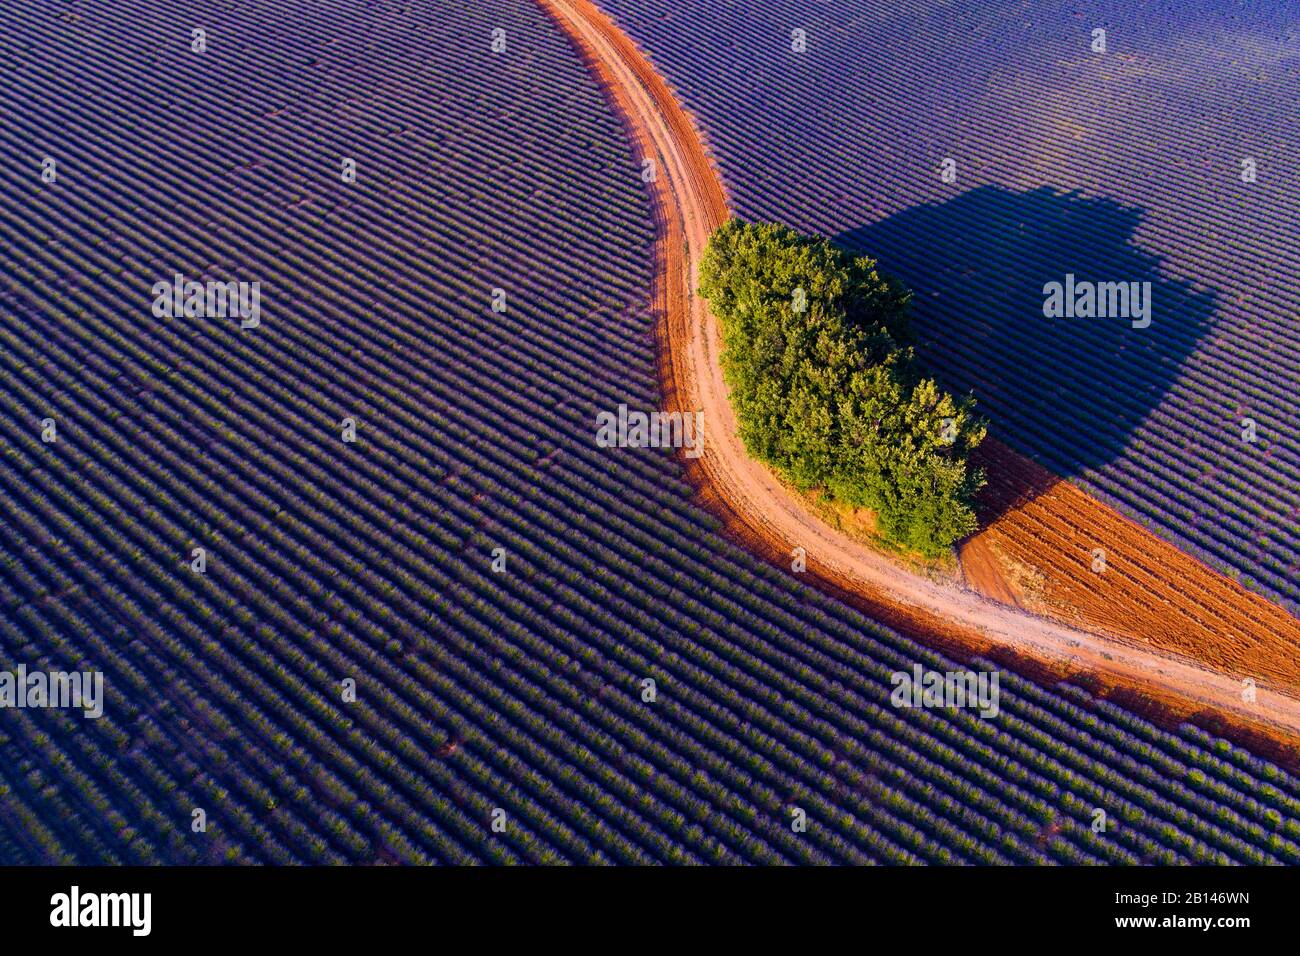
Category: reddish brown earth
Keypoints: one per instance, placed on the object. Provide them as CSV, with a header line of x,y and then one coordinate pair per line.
x,y
1156,630
1150,592
983,570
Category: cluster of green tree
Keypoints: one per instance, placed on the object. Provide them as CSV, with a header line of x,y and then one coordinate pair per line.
x,y
818,353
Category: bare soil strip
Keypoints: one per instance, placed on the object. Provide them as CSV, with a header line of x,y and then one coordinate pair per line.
x,y
1150,592
1157,630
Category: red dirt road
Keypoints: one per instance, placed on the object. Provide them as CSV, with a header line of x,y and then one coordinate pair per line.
x,y
1162,632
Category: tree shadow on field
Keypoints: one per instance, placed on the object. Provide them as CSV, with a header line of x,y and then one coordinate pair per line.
x,y
1068,392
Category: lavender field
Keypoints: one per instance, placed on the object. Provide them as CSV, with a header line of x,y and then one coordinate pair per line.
x,y
498,589
1169,159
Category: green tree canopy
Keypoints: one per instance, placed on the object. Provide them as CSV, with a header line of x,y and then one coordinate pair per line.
x,y
818,353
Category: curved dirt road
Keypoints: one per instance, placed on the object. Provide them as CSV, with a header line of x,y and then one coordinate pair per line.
x,y
690,203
